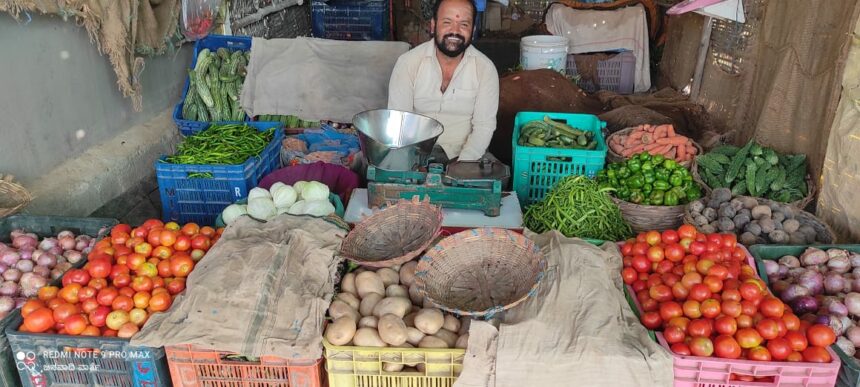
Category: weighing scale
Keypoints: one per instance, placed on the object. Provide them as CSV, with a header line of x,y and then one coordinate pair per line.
x,y
397,147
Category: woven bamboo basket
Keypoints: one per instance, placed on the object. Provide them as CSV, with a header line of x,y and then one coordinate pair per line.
x,y
801,204
645,218
13,196
822,229
481,272
394,235
613,157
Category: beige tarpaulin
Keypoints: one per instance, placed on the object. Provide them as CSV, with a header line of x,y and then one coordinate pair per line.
x,y
578,329
263,289
837,202
120,29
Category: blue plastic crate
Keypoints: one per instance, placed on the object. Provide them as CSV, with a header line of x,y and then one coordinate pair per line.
x,y
201,200
212,42
350,20
537,170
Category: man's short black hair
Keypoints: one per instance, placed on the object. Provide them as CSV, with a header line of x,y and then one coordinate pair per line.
x,y
438,3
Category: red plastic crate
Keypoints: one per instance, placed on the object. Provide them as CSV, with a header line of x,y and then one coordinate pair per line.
x,y
191,366
697,371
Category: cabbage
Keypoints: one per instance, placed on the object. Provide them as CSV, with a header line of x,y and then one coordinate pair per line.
x,y
233,211
283,196
299,186
318,207
258,193
298,208
276,186
262,208
282,210
315,190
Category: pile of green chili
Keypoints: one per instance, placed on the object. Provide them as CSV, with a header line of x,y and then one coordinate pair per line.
x,y
230,144
578,207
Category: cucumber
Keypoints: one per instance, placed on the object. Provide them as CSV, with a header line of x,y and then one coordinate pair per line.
x,y
203,91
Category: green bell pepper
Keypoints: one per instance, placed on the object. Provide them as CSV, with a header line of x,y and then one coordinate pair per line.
x,y
662,185
656,197
644,156
623,172
676,179
623,193
635,181
647,166
634,165
647,188
661,174
693,193
670,164
658,159
636,197
670,199
610,173
649,177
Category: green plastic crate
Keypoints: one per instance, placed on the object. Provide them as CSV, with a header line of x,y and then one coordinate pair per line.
x,y
849,374
537,170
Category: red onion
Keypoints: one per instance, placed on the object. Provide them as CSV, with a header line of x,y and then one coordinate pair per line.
x,y
3,268
804,304
67,243
63,266
853,334
56,250
31,283
61,259
854,259
855,285
9,288
794,273
12,274
37,254
790,261
771,268
65,233
20,301
783,271
839,264
73,256
793,292
47,243
49,260
846,345
852,301
24,241
27,253
833,283
16,233
779,286
43,271
834,307
56,273
3,246
7,304
9,257
81,245
813,281
25,265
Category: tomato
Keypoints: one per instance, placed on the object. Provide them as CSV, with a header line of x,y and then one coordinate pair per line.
x,y
124,303
168,237
795,356
141,300
121,281
142,284
164,291
655,254
679,291
162,252
692,309
782,329
39,320
690,279
63,311
759,353
710,308
639,285
651,320
76,276
713,283
144,249
680,322
779,348
748,338
820,336
748,308
116,319
670,309
181,266
178,285
46,293
98,316
792,322
121,250
726,347
768,329
640,248
744,321
91,330
183,243
670,279
149,224
190,229
200,242
210,232
739,254
687,231
69,293
674,252
674,334
681,349
662,267
726,325
701,346
628,274
106,296
89,305
654,279
816,355
641,264
147,269
120,228
98,283
796,340
703,265
162,301
730,308
119,238
670,236
700,292
55,302
729,240
197,254
164,269
75,324
719,271
697,248
31,305
699,327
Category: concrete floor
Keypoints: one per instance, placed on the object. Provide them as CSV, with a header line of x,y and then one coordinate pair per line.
x,y
138,204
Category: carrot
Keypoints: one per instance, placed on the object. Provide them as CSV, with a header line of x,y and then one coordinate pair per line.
x,y
634,135
617,148
682,153
647,138
692,150
671,130
679,141
658,132
671,154
652,147
664,149
633,150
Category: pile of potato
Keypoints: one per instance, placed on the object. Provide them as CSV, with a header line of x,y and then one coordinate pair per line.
x,y
385,308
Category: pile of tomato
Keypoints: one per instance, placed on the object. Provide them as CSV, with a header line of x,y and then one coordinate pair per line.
x,y
129,275
701,293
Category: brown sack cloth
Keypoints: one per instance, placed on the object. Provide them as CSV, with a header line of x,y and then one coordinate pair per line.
x,y
263,289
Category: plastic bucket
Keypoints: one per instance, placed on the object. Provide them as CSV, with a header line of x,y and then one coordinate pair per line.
x,y
544,52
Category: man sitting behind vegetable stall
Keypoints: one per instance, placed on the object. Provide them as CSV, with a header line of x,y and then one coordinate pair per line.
x,y
452,82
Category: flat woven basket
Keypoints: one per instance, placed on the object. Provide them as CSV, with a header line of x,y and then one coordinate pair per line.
x,y
13,196
394,235
481,272
613,157
801,204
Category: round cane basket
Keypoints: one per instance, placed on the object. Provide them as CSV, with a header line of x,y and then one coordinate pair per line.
x,y
801,204
394,235
481,272
645,218
613,157
824,234
13,196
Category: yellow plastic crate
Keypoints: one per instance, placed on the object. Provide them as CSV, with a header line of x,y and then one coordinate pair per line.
x,y
362,366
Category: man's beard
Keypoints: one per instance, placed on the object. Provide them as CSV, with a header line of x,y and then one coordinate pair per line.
x,y
453,47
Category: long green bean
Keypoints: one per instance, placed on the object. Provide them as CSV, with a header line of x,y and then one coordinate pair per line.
x,y
576,206
230,144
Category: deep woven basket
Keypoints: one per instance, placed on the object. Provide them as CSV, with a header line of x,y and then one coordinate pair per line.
x,y
394,235
646,218
801,204
805,219
613,157
481,272
13,196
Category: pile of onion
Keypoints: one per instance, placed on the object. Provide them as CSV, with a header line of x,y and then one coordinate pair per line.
x,y
822,287
27,263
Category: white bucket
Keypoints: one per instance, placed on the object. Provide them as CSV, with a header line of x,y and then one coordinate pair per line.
x,y
544,52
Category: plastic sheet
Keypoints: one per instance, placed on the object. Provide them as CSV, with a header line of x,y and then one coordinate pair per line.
x,y
198,17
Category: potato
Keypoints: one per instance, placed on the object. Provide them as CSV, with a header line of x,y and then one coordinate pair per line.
x,y
367,337
429,321
338,309
350,299
790,225
368,322
451,323
392,367
447,336
407,273
389,277
369,282
413,335
392,330
432,342
398,306
761,211
368,303
341,331
416,295
348,284
396,268
396,291
462,341
410,318
465,323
